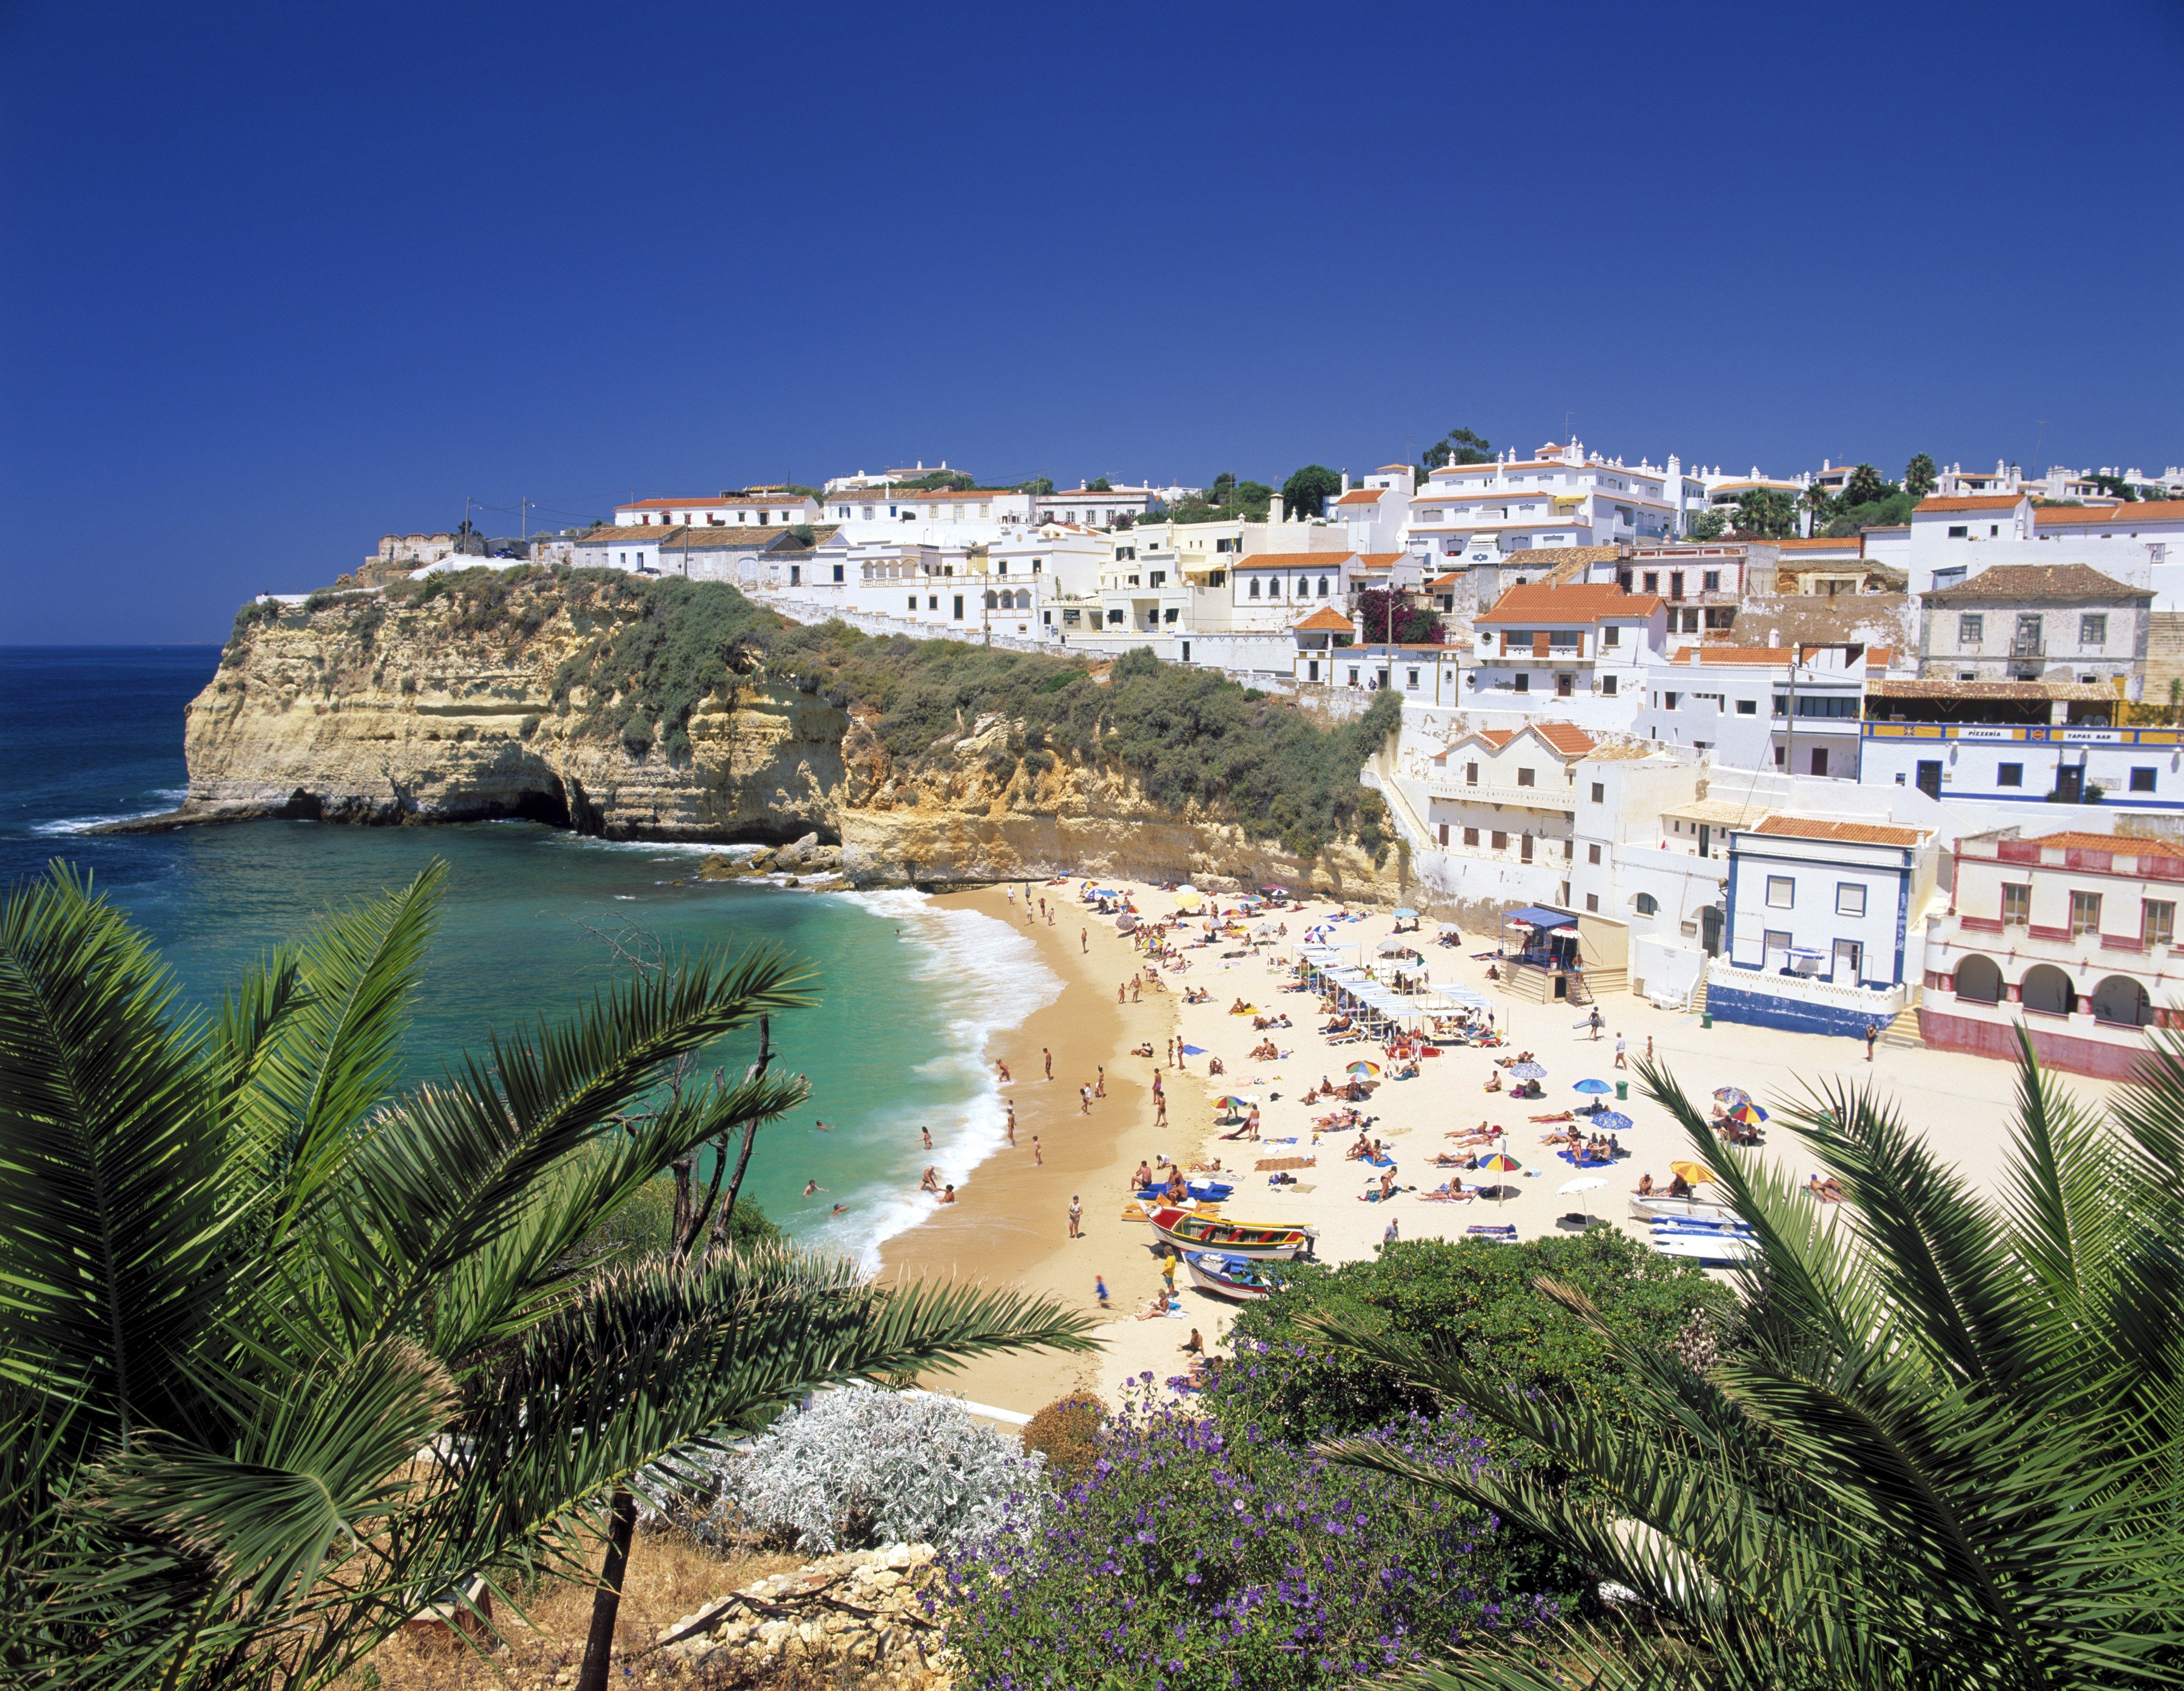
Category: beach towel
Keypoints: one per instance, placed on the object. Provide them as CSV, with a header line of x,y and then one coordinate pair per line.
x,y
1194,1050
1380,1161
1274,1165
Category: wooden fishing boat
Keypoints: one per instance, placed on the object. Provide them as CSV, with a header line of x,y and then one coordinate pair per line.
x,y
1239,1279
1188,1233
1709,1250
1659,1207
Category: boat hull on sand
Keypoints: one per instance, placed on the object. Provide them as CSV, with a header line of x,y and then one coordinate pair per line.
x,y
1659,1207
1710,1250
1236,1278
1187,1232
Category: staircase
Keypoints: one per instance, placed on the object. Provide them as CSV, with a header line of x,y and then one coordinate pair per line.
x,y
1903,1031
1579,991
1697,1006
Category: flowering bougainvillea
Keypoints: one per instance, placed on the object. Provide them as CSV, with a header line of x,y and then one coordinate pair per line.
x,y
1191,1556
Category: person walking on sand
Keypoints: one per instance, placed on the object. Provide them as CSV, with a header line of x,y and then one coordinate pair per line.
x,y
1100,1290
1076,1216
1084,1101
1649,1047
1160,1109
1621,1062
1394,1232
1121,987
1047,1058
1872,1034
1085,941
1100,1084
1037,1155
1595,1021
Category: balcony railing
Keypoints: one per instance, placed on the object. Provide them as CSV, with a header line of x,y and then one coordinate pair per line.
x,y
2027,645
1494,793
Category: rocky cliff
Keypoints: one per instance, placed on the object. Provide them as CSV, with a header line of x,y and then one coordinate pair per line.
x,y
402,708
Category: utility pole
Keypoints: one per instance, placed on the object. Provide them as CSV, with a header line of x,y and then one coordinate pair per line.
x,y
523,520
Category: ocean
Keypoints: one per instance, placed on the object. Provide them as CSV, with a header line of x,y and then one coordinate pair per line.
x,y
910,991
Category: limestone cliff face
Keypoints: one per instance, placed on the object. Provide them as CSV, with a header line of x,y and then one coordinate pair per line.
x,y
369,710
408,717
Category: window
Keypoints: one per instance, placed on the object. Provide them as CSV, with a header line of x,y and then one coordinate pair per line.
x,y
1607,686
1255,587
933,602
1471,774
1958,530
2009,775
1353,675
1599,793
2084,913
1592,901
1565,686
1522,682
1611,636
1850,898
2016,904
1524,848
1668,701
2093,629
1781,892
1971,628
1523,778
1323,587
2142,780
1593,855
1471,836
2157,922
1652,581
1500,840
1646,904
1713,579
913,602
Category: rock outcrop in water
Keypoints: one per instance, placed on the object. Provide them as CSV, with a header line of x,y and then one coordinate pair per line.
x,y
408,710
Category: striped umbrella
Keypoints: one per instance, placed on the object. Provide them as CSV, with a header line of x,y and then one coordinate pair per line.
x,y
1235,1103
1749,1113
1501,1162
1370,1071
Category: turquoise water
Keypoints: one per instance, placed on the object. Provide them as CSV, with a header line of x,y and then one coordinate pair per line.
x,y
910,991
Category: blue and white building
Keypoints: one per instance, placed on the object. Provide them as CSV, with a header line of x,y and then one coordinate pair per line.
x,y
1823,917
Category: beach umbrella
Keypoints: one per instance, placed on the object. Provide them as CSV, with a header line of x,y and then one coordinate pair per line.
x,y
1528,1071
1584,1183
1390,948
1731,1097
1611,1121
1749,1113
1126,921
1594,1087
1236,1102
1371,1071
1501,1162
1405,915
1696,1173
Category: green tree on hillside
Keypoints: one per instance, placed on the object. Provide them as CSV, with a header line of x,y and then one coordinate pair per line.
x,y
1765,513
1816,501
1938,1444
285,1354
2115,486
1098,484
1307,490
1457,446
1037,487
1865,485
1707,525
1919,476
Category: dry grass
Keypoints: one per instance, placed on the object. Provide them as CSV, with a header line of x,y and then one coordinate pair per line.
x,y
669,1576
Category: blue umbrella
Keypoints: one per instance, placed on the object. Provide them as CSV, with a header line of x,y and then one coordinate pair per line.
x,y
1406,915
1528,1071
1593,1086
1611,1121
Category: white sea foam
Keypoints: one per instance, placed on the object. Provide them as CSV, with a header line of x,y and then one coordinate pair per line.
x,y
986,978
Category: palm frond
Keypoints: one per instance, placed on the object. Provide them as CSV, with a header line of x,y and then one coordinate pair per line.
x,y
111,1211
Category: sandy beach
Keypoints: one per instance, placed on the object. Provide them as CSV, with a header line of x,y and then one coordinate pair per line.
x,y
1010,1225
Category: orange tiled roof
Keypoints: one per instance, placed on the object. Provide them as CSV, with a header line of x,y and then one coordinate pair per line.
x,y
1566,738
2122,845
2108,516
1970,502
1586,603
1361,496
1496,738
1850,833
1815,542
1325,620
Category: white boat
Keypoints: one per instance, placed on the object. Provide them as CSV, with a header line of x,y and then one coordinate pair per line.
x,y
1713,1250
1661,1208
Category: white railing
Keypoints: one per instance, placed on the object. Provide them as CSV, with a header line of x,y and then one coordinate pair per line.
x,y
1495,793
1884,1001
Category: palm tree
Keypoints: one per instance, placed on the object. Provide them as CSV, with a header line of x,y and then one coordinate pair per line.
x,y
1943,1448
284,1353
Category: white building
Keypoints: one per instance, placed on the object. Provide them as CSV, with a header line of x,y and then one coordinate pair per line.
x,y
1764,707
2037,622
2069,937
2010,764
1376,515
1096,507
755,507
1560,496
1580,652
930,517
1821,915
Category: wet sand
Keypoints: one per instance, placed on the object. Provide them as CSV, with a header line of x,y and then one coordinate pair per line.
x,y
1010,1225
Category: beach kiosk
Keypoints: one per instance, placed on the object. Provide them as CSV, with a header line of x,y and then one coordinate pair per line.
x,y
1539,959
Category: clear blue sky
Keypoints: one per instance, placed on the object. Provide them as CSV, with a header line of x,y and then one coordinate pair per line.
x,y
278,279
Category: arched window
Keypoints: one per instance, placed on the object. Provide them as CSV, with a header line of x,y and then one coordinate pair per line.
x,y
2121,1001
1255,587
2046,989
1980,979
1323,587
1646,904
992,602
1023,599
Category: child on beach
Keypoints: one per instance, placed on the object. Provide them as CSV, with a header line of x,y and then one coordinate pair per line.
x,y
1038,1157
1076,1216
1007,1078
1100,1290
1084,1101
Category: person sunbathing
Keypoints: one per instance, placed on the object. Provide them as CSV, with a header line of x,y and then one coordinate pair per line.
x,y
1240,1009
1646,1185
1142,1178
1216,1066
1828,1191
1450,1191
1445,1160
1494,1083
1144,1050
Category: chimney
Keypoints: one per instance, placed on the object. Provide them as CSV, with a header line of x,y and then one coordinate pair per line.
x,y
1346,480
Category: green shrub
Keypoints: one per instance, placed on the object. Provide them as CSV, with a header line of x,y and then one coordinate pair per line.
x,y
1066,1432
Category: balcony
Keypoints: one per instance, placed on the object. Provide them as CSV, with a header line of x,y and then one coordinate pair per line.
x,y
2027,645
1563,799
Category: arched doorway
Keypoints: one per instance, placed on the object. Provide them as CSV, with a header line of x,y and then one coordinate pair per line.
x,y
1710,929
1980,979
2046,990
2122,1001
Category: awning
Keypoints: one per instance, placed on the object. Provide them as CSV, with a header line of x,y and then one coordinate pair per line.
x,y
1532,914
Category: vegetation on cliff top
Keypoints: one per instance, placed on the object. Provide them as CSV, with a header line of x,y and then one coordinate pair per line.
x,y
651,652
